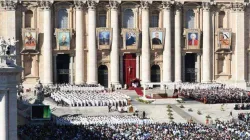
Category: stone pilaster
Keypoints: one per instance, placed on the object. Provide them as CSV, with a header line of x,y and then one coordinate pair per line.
x,y
47,43
114,61
92,49
178,34
167,72
79,43
238,11
207,59
145,43
137,65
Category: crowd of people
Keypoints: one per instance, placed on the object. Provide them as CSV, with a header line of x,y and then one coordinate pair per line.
x,y
88,120
85,95
244,117
214,95
131,131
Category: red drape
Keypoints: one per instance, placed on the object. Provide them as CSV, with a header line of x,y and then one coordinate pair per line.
x,y
129,67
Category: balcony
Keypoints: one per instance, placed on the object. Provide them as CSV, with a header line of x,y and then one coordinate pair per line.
x,y
104,47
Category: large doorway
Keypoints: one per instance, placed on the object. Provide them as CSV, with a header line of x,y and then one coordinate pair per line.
x,y
129,68
155,74
62,66
103,77
190,70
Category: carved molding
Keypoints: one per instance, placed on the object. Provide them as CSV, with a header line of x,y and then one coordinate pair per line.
x,y
178,6
79,5
238,6
206,6
145,5
114,4
8,5
45,5
91,4
167,5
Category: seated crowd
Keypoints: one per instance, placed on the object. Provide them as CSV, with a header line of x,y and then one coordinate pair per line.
x,y
242,107
216,95
131,131
88,120
244,117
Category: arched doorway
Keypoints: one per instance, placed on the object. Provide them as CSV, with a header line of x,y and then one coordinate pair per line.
x,y
103,75
155,73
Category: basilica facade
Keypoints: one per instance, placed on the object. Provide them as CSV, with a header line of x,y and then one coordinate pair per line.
x,y
114,41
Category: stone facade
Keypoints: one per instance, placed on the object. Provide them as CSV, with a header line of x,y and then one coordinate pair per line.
x,y
214,62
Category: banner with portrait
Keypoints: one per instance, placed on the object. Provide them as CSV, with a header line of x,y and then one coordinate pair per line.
x,y
104,36
130,38
63,37
193,38
30,37
224,38
157,36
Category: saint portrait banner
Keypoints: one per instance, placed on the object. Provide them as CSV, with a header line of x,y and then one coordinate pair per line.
x,y
30,37
157,36
224,38
104,36
130,38
193,38
63,39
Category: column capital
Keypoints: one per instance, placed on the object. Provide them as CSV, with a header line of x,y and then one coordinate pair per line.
x,y
79,4
8,5
114,4
237,6
45,5
206,6
178,6
145,4
92,4
167,5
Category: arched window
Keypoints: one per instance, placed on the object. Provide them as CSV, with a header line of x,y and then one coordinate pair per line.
x,y
102,16
154,19
128,19
62,18
190,19
221,19
28,19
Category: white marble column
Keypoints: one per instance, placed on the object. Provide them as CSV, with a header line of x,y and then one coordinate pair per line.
x,y
79,79
145,43
167,72
114,61
47,45
240,47
178,34
198,67
137,65
55,68
4,115
92,49
71,69
206,44
121,69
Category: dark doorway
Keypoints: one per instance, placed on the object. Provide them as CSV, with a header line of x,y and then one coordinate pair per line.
x,y
155,74
129,68
190,71
62,66
103,77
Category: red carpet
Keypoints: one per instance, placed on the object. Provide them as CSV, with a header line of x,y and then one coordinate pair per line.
x,y
140,93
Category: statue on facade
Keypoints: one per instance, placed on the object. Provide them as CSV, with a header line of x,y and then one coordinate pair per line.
x,y
8,52
39,93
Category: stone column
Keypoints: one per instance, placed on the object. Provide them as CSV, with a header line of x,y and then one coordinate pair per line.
x,y
4,115
137,65
114,61
240,47
71,69
178,34
167,72
145,42
206,44
47,44
79,79
55,68
198,67
92,49
121,69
